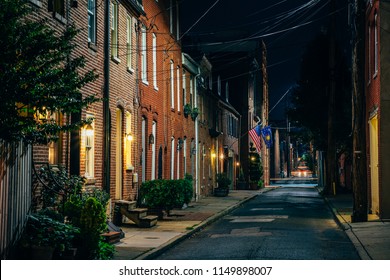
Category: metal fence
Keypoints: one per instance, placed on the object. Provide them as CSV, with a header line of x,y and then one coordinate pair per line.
x,y
15,192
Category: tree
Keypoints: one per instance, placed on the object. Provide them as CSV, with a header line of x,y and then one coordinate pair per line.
x,y
38,76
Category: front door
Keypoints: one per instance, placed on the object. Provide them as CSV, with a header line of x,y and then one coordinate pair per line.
x,y
373,124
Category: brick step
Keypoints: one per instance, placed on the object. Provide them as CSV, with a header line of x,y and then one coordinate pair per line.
x,y
111,237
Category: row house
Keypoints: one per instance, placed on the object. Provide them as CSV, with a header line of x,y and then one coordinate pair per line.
x,y
139,132
218,130
377,72
160,118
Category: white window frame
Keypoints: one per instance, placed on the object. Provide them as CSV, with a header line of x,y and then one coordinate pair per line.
x,y
114,31
129,43
92,21
178,92
172,88
173,158
144,60
154,60
153,171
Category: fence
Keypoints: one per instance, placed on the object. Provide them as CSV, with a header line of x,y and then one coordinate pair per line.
x,y
15,192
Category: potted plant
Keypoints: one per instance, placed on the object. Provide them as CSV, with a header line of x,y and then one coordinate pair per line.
x,y
44,236
223,185
241,183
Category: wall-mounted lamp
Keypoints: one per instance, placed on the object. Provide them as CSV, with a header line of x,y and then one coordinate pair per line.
x,y
151,139
213,155
129,137
88,130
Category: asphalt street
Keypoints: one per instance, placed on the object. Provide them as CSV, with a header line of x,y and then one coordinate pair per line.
x,y
290,223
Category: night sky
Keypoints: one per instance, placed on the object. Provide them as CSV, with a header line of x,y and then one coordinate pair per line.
x,y
286,26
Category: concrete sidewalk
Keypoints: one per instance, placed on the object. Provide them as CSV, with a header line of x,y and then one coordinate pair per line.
x,y
371,239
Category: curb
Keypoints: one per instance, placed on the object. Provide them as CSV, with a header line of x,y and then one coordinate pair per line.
x,y
347,228
174,241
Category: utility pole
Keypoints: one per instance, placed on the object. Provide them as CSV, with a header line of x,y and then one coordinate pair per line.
x,y
264,149
359,168
330,187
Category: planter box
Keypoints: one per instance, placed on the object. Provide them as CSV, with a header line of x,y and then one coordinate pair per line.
x,y
221,192
242,186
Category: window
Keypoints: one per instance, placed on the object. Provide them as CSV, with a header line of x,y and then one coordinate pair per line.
x,y
172,158
91,21
153,171
185,155
154,51
369,52
54,151
129,138
114,30
129,45
219,85
184,88
192,91
89,149
144,66
57,6
172,76
376,50
178,88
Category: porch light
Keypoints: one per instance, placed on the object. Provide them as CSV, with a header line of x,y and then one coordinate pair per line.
x,y
89,130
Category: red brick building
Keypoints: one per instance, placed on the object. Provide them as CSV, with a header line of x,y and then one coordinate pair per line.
x,y
378,106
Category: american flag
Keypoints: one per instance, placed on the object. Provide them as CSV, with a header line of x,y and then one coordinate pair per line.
x,y
255,133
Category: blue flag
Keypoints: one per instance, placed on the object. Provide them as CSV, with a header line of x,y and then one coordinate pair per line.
x,y
266,132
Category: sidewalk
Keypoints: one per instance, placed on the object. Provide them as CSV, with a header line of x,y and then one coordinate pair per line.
x,y
371,239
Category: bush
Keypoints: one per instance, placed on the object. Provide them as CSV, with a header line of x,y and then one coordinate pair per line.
x,y
223,181
87,211
166,194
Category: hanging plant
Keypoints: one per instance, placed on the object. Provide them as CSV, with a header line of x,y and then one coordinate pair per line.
x,y
187,110
194,113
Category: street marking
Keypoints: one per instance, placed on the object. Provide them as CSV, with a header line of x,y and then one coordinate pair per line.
x,y
266,209
259,220
258,217
244,232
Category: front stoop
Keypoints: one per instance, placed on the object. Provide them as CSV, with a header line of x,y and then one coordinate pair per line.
x,y
138,215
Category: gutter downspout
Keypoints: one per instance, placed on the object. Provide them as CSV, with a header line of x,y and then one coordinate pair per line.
x,y
106,100
197,187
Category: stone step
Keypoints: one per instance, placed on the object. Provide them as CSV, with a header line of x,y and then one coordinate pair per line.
x,y
148,221
141,212
125,203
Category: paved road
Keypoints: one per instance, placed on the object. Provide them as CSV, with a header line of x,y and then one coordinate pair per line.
x,y
289,223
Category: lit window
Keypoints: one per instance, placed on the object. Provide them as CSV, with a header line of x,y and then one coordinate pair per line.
x,y
129,139
89,150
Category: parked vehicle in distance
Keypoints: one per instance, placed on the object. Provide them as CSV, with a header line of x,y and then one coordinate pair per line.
x,y
302,171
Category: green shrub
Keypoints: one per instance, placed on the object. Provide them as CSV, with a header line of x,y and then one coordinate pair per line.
x,y
166,194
